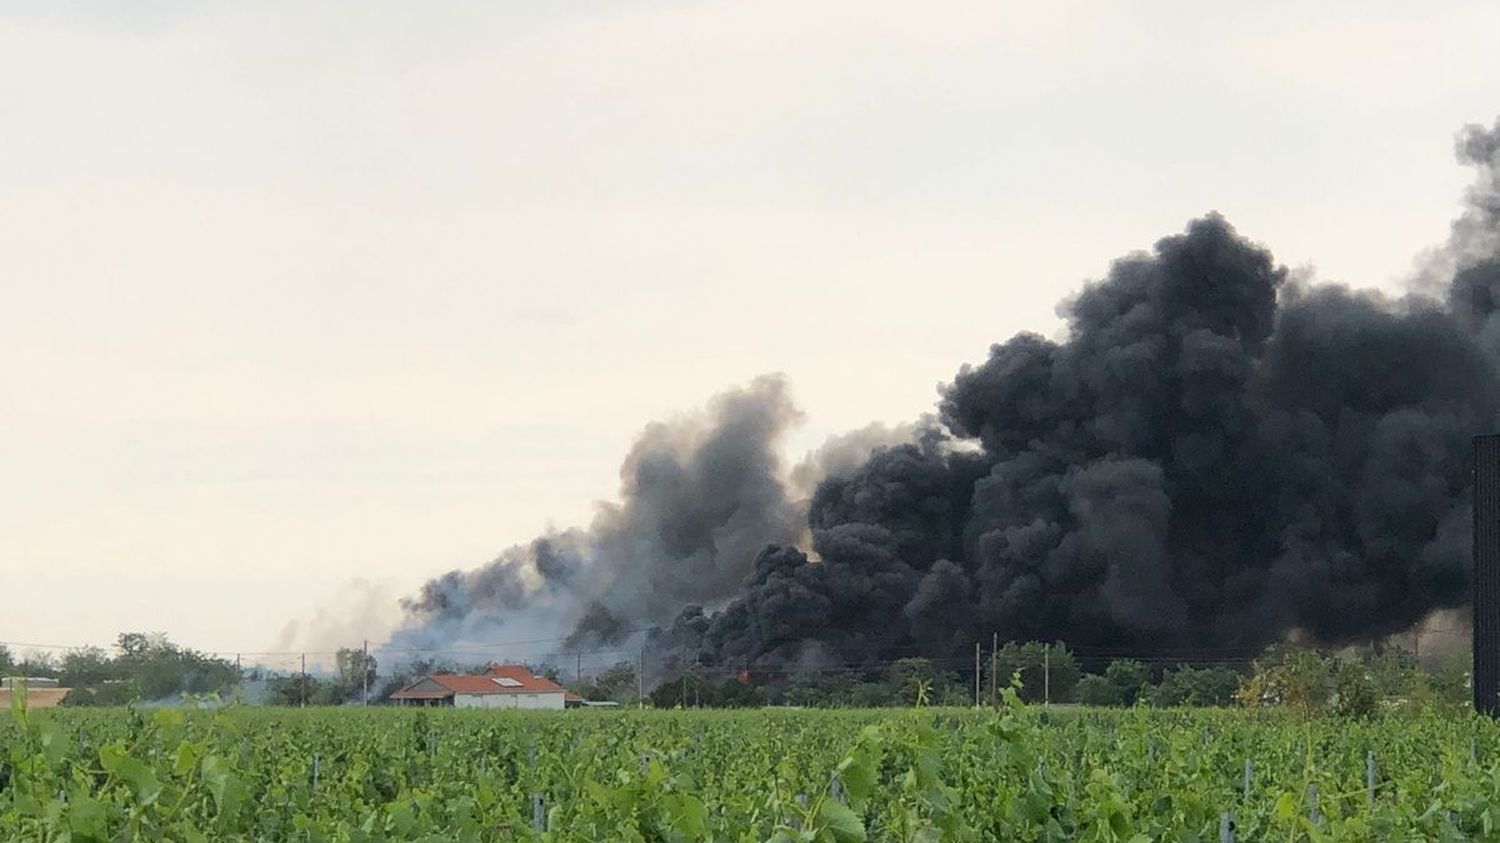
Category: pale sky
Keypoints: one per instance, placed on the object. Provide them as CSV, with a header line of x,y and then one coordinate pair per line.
x,y
302,294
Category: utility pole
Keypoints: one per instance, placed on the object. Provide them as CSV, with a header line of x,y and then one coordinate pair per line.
x,y
1486,602
640,679
579,671
994,667
976,674
364,669
1046,675
302,697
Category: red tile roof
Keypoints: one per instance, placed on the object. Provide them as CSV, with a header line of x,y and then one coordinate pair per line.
x,y
485,683
530,682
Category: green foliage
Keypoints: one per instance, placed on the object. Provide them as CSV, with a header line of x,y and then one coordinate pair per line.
x,y
1298,679
1045,670
1450,682
147,667
913,678
1123,682
1096,690
823,690
416,669
1354,692
695,691
618,683
36,665
1352,684
108,693
358,775
354,670
1130,678
84,667
300,690
1394,673
1196,686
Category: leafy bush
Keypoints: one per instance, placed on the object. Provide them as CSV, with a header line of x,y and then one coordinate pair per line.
x,y
1098,691
1354,692
1129,677
1196,686
1046,670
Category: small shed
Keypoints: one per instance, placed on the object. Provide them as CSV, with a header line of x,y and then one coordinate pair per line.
x,y
40,692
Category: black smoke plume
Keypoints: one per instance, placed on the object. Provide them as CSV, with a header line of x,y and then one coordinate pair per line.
x,y
1213,457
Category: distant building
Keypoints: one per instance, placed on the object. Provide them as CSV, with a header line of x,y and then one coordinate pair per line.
x,y
32,682
40,692
500,686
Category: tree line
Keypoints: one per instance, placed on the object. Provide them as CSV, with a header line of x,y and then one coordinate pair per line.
x,y
149,667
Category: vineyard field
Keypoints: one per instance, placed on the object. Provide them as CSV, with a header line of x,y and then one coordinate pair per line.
x,y
1017,773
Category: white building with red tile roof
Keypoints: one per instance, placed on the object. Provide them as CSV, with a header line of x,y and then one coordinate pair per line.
x,y
500,686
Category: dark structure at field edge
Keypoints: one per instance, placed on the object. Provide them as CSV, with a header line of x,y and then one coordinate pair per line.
x,y
1487,574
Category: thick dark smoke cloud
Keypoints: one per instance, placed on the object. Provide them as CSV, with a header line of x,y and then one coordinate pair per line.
x,y
1212,455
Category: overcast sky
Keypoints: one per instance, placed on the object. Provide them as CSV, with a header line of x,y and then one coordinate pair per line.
x,y
302,294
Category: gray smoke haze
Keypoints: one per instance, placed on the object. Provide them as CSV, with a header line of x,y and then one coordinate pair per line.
x,y
1214,455
700,496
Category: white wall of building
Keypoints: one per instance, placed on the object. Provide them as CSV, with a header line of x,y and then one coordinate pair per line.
x,y
527,700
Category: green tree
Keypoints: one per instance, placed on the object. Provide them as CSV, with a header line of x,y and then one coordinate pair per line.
x,y
1451,680
871,695
300,689
86,667
7,661
39,665
826,690
1129,677
1048,672
416,669
909,676
110,693
1354,691
355,670
698,692
1196,686
1301,679
161,669
1094,689
138,643
617,683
